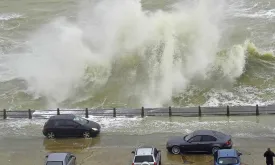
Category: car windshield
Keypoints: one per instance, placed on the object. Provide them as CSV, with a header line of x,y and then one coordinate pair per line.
x,y
188,137
228,160
54,163
147,158
80,120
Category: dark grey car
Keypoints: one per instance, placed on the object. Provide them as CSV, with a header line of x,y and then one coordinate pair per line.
x,y
69,125
60,159
199,141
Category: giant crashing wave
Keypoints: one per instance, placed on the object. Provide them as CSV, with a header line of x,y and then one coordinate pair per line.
x,y
117,55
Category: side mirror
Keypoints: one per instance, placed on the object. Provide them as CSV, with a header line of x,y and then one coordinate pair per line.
x,y
71,156
133,152
239,154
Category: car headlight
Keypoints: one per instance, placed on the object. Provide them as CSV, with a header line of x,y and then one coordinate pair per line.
x,y
95,129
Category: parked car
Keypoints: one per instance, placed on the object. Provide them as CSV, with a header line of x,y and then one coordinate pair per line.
x,y
60,159
146,155
199,141
70,126
227,156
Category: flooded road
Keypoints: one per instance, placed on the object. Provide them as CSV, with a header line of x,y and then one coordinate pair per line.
x,y
22,142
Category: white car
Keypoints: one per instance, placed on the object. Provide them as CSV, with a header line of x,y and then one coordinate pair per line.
x,y
60,159
146,156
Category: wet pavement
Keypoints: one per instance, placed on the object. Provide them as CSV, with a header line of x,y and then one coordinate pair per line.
x,y
22,142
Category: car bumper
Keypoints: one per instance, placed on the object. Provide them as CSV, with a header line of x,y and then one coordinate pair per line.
x,y
95,133
44,133
169,149
227,147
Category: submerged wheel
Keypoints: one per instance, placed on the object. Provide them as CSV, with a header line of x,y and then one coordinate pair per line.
x,y
175,150
86,134
50,135
215,149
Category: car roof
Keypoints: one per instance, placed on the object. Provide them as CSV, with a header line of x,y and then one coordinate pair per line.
x,y
207,132
144,151
227,153
203,132
63,116
56,156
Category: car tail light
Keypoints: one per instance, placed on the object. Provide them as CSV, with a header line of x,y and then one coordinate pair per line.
x,y
133,163
228,142
155,163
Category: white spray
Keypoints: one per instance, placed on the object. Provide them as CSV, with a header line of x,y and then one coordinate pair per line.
x,y
174,46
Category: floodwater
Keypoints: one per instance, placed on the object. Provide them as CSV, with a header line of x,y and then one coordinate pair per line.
x,y
22,142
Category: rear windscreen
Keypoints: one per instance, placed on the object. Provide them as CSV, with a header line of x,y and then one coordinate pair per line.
x,y
47,124
54,163
220,135
228,161
140,159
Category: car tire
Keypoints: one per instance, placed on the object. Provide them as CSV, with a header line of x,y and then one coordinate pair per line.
x,y
175,150
160,162
50,135
214,149
86,134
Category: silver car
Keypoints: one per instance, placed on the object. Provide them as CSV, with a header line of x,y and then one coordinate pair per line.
x,y
146,156
60,159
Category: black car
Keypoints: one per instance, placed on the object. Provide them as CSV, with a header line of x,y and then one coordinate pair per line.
x,y
199,141
70,126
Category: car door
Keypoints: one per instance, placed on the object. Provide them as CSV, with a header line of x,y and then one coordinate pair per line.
x,y
59,129
207,142
72,128
193,144
156,155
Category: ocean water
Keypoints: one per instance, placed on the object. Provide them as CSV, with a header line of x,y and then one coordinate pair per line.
x,y
129,53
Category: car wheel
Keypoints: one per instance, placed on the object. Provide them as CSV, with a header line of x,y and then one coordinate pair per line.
x,y
86,134
214,149
50,135
175,150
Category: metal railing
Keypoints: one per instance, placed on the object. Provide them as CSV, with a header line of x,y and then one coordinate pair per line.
x,y
169,111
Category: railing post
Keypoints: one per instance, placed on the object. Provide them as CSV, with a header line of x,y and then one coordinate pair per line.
x,y
114,112
4,114
257,110
30,114
227,111
58,111
142,111
199,111
170,111
86,113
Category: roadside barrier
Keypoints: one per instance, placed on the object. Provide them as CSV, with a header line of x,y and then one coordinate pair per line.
x,y
142,112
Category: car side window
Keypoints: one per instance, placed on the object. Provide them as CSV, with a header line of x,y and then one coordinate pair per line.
x,y
59,123
207,138
195,139
70,123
